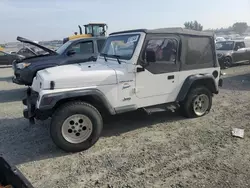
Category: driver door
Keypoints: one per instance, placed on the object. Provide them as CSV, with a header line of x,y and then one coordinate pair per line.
x,y
160,77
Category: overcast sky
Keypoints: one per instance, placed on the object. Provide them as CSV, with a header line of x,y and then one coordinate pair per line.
x,y
56,19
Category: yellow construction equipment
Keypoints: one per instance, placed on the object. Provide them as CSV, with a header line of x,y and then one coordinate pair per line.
x,y
91,30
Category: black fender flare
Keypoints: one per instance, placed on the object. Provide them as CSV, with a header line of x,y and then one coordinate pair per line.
x,y
49,101
204,79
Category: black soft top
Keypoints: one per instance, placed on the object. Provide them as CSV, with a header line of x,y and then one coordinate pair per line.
x,y
170,30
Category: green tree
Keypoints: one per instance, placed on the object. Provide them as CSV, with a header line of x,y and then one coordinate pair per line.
x,y
240,27
194,25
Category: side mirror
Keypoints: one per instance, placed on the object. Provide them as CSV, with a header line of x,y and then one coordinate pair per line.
x,y
71,52
150,56
236,48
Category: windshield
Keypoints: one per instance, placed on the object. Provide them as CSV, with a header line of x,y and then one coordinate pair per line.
x,y
89,29
62,48
121,45
95,30
227,45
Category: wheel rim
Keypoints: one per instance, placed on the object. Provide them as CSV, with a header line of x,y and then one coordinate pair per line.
x,y
77,128
200,104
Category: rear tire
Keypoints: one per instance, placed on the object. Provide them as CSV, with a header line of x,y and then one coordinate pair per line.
x,y
76,126
198,102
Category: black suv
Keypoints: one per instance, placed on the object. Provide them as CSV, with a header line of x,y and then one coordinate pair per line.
x,y
74,51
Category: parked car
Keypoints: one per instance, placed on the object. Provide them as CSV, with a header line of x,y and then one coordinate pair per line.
x,y
232,52
152,70
7,59
217,39
73,51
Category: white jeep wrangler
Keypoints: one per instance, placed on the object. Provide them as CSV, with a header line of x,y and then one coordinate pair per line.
x,y
137,69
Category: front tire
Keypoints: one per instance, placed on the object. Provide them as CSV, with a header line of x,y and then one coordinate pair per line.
x,y
76,126
228,62
197,103
222,64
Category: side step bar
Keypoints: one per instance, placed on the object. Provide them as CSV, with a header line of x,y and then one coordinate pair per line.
x,y
161,108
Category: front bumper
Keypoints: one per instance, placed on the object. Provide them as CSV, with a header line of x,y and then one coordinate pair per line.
x,y
30,111
29,102
17,80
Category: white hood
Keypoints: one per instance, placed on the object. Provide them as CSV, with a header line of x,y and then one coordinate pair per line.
x,y
76,75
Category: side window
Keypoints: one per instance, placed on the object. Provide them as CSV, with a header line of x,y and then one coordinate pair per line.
x,y
166,53
76,48
100,44
83,47
239,45
2,54
199,52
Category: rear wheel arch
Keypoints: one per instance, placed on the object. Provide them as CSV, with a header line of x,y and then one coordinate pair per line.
x,y
206,82
193,81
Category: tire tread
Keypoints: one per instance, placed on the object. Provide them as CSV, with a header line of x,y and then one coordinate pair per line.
x,y
186,109
63,109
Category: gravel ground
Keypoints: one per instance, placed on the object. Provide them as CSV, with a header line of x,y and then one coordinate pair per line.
x,y
137,150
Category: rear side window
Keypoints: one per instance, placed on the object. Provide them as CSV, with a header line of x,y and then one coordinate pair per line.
x,y
100,44
199,53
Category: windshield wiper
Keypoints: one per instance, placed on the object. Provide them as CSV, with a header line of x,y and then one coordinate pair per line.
x,y
117,57
104,56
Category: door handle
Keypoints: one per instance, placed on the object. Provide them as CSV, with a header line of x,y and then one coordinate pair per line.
x,y
171,77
